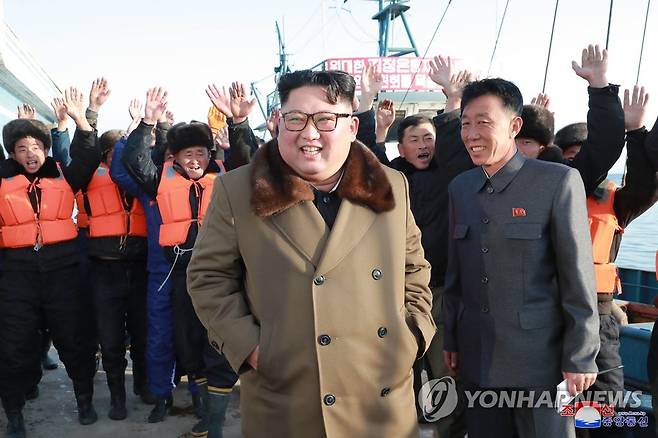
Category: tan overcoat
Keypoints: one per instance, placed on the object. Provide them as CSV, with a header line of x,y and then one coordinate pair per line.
x,y
340,314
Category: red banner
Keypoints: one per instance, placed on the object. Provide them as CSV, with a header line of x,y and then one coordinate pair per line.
x,y
398,73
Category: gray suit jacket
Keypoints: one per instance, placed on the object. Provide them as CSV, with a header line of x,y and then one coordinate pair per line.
x,y
520,302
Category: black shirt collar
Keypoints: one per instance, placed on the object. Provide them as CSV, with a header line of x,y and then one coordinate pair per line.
x,y
501,179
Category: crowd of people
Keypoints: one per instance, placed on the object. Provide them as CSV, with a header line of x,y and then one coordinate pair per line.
x,y
313,266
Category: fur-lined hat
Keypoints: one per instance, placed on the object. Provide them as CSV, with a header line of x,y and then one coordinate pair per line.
x,y
574,134
21,128
185,135
538,124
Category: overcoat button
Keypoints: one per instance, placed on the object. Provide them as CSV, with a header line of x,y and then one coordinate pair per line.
x,y
485,308
485,279
324,340
485,250
383,331
319,281
485,220
385,392
377,274
490,189
329,399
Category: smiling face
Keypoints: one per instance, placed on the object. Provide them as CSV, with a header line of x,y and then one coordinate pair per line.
x,y
417,145
29,153
488,131
316,156
194,160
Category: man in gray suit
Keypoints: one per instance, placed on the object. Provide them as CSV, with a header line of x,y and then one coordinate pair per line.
x,y
519,304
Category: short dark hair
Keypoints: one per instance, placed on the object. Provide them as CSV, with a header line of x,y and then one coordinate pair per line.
x,y
339,85
505,90
538,124
108,140
408,122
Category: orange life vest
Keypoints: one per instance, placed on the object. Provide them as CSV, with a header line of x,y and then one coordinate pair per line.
x,y
108,216
52,221
81,218
603,225
174,203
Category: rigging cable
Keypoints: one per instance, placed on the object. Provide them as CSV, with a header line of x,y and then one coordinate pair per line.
x,y
550,47
607,37
413,78
502,21
644,33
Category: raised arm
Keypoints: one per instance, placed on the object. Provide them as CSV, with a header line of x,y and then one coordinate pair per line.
x,y
640,190
137,153
85,153
235,105
61,141
605,120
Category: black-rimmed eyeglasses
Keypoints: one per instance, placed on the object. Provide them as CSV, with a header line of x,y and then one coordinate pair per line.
x,y
324,121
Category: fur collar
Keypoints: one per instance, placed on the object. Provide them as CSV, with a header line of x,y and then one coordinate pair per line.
x,y
275,187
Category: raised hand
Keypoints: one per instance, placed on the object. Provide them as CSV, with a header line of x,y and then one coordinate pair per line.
x,y
99,93
635,108
441,71
241,106
272,122
220,99
371,80
26,111
385,114
593,67
385,117
135,109
75,108
169,116
541,100
156,105
222,138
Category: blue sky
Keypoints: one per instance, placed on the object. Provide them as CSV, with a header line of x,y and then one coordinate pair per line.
x,y
185,45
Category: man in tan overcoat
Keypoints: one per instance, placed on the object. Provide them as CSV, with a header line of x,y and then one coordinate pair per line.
x,y
309,275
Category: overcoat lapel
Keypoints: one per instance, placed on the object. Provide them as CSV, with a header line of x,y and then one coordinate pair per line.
x,y
352,223
304,228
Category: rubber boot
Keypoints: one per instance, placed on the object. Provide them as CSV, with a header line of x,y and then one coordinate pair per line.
x,y
161,409
84,392
140,385
15,425
217,405
117,385
201,428
47,362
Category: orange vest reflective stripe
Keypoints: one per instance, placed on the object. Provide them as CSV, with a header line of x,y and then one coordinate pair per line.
x,y
174,203
82,219
51,223
108,216
603,225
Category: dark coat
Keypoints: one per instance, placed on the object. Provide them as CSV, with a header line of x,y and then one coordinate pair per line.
x,y
520,301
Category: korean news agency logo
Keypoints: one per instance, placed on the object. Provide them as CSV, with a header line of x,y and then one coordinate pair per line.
x,y
438,398
593,415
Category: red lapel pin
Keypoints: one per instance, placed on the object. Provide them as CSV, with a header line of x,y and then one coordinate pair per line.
x,y
518,212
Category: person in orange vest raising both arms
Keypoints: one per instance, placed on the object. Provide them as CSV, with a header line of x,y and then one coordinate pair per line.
x,y
117,248
41,274
183,190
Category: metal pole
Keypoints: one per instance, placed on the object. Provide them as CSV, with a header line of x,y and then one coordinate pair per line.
x,y
644,33
550,46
